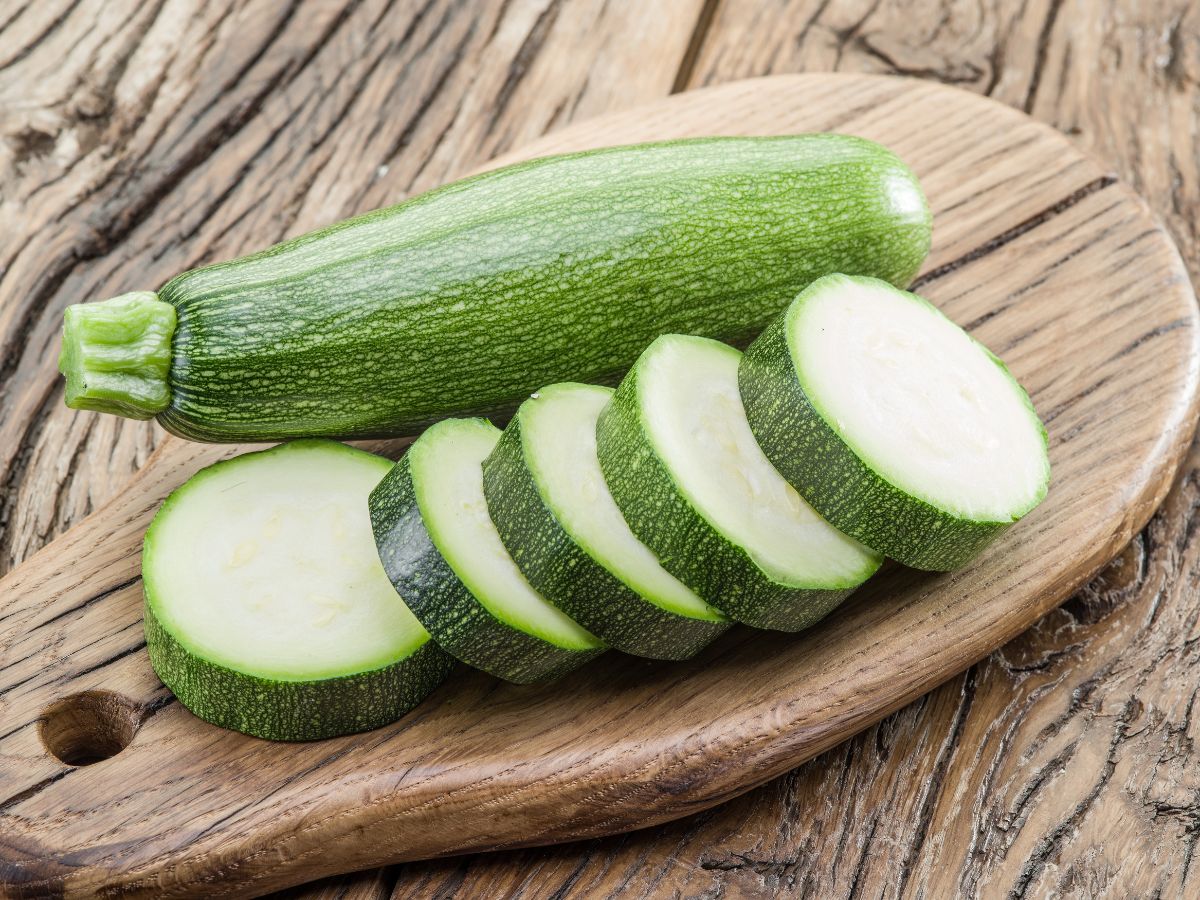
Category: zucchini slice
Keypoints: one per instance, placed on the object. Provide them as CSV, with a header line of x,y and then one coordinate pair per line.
x,y
443,554
555,515
267,610
894,423
685,470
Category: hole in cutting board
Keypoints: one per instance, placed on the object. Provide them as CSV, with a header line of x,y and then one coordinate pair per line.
x,y
88,727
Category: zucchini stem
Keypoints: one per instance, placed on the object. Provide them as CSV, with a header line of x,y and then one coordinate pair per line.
x,y
116,355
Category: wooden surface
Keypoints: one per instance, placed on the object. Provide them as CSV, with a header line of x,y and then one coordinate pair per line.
x,y
114,115
1048,258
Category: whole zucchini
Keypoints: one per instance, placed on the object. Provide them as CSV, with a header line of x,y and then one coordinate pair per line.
x,y
463,300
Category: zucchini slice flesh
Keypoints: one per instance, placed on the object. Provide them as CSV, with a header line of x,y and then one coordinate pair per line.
x,y
553,510
695,419
441,550
684,468
267,610
897,425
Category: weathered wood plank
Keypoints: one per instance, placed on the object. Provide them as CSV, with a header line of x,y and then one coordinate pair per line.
x,y
140,139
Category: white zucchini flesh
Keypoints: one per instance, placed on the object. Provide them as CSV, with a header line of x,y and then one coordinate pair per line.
x,y
919,400
448,475
697,425
561,451
267,565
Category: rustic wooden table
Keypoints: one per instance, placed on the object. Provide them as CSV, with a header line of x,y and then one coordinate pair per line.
x,y
142,138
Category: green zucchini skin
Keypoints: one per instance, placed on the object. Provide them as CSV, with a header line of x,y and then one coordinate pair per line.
x,y
563,268
444,605
563,572
686,544
293,710
838,484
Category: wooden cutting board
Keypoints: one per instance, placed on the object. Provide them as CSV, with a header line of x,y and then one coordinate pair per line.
x,y
1038,250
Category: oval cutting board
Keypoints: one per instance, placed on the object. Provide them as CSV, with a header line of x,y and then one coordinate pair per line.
x,y
1038,250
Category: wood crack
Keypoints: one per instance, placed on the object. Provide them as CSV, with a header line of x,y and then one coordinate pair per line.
x,y
29,44
520,64
414,23
116,657
1145,337
1043,49
19,461
737,862
18,10
857,883
264,46
33,790
428,101
971,74
933,789
695,44
1008,236
1049,846
95,598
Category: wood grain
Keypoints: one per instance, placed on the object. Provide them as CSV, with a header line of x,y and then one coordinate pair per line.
x,y
1027,230
139,139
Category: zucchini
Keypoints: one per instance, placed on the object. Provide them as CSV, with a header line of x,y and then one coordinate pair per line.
x,y
895,424
553,511
441,551
266,608
683,467
465,299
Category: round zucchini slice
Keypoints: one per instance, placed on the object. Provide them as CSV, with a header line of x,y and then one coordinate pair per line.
x,y
692,483
443,554
557,518
894,423
266,608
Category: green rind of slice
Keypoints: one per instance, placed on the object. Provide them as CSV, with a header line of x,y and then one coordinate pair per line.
x,y
445,606
293,710
562,571
686,543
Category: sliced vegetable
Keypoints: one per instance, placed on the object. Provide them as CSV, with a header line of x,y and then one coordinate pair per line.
x,y
894,423
684,469
267,610
555,515
465,299
443,554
